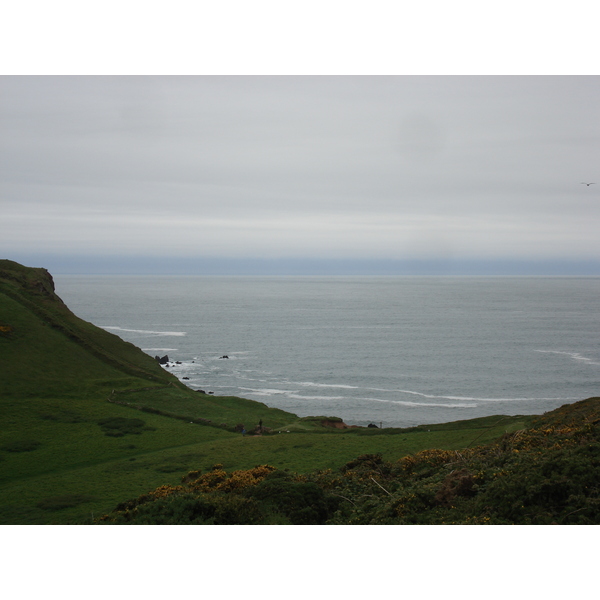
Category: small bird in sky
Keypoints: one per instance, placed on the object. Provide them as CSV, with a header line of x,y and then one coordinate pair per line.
x,y
588,184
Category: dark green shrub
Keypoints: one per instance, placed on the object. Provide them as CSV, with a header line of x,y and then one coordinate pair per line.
x,y
214,509
557,486
365,462
302,503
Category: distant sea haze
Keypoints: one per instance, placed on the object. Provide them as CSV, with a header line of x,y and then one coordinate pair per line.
x,y
392,351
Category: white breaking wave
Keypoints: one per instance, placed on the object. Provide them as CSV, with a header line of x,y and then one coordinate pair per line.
x,y
325,385
475,399
288,393
572,355
422,404
454,401
145,331
431,396
268,391
301,397
160,349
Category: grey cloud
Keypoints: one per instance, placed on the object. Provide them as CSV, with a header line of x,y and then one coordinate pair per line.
x,y
361,167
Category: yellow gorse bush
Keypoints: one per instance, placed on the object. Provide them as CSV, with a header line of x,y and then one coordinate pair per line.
x,y
219,479
166,490
432,458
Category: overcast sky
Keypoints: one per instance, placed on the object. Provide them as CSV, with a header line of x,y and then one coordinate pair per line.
x,y
204,170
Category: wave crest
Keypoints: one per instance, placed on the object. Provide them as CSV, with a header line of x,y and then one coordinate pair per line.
x,y
144,331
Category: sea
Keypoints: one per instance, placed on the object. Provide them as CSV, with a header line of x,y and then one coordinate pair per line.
x,y
387,351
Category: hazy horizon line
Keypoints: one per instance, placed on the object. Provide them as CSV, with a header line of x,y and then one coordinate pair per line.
x,y
138,265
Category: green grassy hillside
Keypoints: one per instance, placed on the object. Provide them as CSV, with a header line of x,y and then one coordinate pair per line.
x,y
89,421
68,433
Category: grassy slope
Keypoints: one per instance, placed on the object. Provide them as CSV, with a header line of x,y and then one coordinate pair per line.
x,y
57,465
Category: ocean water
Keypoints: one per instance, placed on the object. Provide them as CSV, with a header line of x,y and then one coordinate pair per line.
x,y
393,351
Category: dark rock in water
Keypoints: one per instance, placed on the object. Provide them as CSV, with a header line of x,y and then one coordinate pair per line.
x,y
372,425
162,361
185,378
201,391
224,356
211,392
177,362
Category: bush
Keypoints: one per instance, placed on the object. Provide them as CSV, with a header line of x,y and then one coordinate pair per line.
x,y
554,487
303,503
213,509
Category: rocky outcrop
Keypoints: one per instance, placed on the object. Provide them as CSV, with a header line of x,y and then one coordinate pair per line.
x,y
36,281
